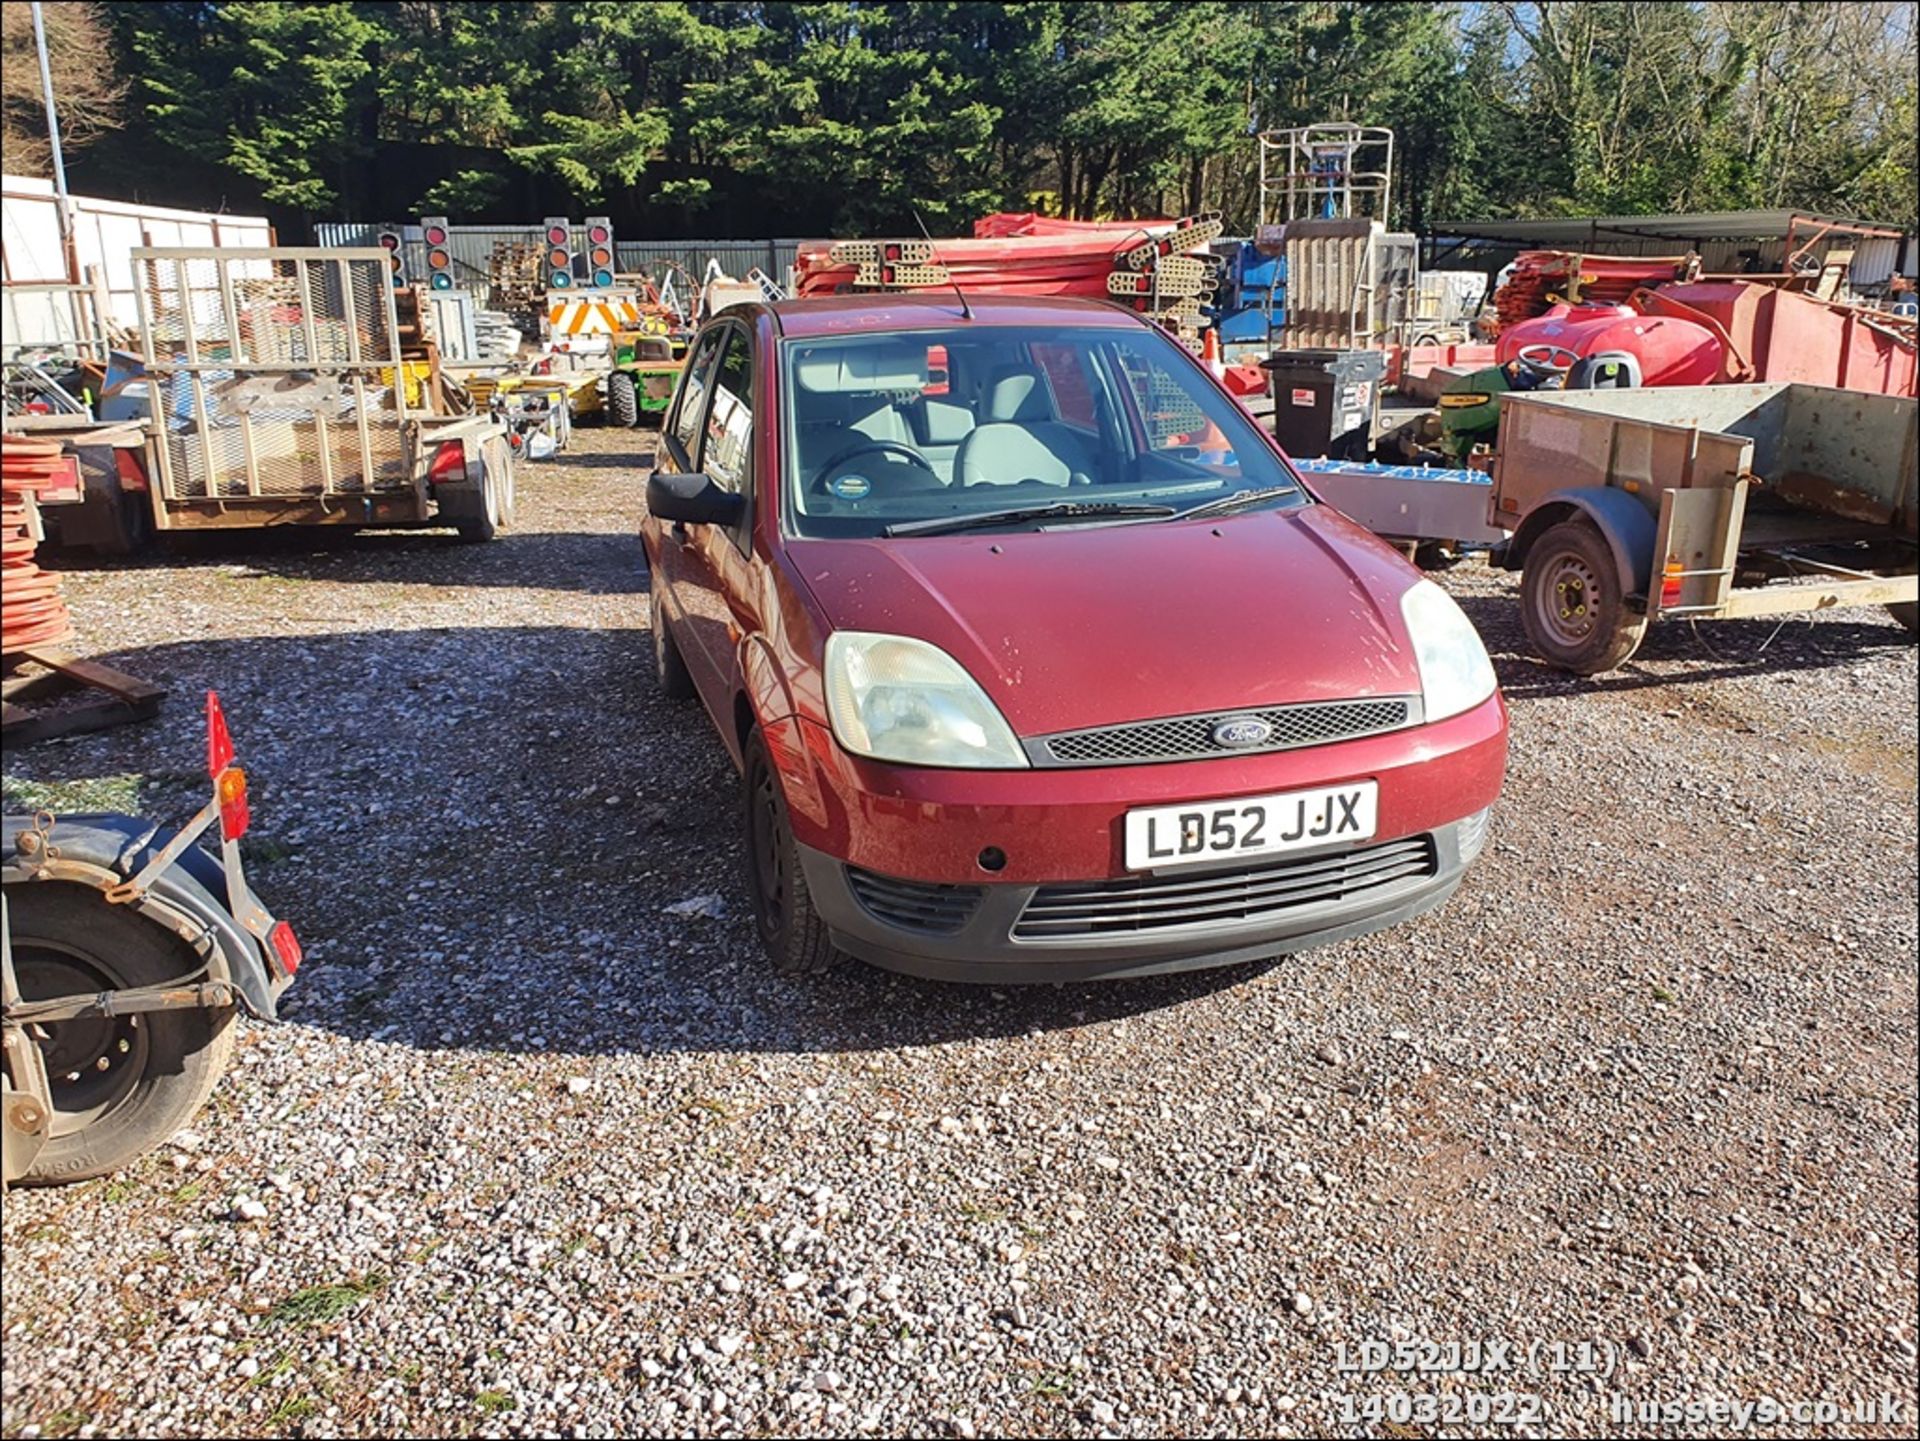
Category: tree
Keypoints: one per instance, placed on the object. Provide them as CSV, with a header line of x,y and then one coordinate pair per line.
x,y
88,95
278,93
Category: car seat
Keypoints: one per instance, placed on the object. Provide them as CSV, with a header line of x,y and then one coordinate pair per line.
x,y
1020,440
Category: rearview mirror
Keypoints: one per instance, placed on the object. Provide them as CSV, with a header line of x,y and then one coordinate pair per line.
x,y
693,499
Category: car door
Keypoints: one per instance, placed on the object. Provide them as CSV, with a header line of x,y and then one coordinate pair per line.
x,y
709,565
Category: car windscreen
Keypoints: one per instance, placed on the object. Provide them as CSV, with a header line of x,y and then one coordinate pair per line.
x,y
884,430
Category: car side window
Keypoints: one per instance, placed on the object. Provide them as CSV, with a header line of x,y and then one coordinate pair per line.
x,y
726,449
1065,367
1164,402
690,406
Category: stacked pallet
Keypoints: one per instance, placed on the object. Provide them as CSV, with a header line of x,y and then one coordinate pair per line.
x,y
1541,277
1160,267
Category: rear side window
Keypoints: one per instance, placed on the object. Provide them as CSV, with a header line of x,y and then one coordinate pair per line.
x,y
690,409
1065,367
729,431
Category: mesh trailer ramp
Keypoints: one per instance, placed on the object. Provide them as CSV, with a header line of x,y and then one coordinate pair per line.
x,y
279,397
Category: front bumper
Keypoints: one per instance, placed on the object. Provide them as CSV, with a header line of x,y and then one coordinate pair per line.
x,y
986,944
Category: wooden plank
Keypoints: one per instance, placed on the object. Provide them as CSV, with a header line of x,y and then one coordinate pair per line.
x,y
23,727
102,677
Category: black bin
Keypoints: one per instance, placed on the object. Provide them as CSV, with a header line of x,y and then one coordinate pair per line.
x,y
1324,401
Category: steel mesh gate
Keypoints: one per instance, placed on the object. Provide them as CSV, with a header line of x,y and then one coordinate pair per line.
x,y
274,372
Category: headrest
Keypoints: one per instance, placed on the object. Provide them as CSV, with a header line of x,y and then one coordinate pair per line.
x,y
1016,396
947,423
843,369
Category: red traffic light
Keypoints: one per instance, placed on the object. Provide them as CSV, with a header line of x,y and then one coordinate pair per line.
x,y
557,235
436,235
599,234
389,240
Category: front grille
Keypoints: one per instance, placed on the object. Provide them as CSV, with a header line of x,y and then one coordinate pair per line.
x,y
914,905
1191,737
1164,903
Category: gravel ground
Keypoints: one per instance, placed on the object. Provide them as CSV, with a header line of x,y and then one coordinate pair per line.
x,y
532,1154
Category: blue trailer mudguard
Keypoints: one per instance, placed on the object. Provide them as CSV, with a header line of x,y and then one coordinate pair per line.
x,y
102,849
1623,520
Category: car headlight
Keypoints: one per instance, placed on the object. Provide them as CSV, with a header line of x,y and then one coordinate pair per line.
x,y
902,700
1455,674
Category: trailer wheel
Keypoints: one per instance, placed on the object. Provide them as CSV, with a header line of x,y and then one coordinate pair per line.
x,y
623,400
121,1084
1571,603
496,493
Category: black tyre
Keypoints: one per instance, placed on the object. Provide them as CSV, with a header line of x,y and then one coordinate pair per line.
x,y
669,666
123,1084
496,487
623,400
791,930
1571,602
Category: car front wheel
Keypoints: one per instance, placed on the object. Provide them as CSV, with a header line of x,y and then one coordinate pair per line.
x,y
794,936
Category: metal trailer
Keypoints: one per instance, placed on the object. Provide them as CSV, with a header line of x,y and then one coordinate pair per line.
x,y
280,397
1708,502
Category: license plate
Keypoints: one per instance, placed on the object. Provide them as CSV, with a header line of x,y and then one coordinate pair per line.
x,y
1164,836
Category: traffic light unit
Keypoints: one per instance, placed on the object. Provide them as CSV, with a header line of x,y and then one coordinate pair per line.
x,y
390,241
559,245
439,241
600,252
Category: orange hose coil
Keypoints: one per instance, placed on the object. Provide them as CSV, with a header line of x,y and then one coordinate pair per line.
x,y
32,610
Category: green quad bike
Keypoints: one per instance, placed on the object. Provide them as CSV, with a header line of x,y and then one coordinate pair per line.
x,y
1470,405
645,370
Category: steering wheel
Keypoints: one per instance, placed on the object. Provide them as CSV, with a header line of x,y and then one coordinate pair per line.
x,y
871,447
1545,358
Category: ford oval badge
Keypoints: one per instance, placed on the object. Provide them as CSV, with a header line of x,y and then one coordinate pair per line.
x,y
1241,732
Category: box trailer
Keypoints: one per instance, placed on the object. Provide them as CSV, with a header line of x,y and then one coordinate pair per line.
x,y
1702,502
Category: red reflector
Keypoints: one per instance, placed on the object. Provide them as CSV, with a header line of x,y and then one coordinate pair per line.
x,y
285,945
890,252
219,742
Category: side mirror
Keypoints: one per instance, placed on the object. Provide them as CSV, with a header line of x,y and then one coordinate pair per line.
x,y
692,498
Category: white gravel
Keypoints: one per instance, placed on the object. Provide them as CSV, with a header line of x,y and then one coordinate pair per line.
x,y
535,1153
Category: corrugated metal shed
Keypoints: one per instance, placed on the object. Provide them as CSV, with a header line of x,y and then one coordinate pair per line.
x,y
1726,240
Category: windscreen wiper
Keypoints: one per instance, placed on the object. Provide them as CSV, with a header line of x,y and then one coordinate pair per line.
x,y
1063,510
1238,499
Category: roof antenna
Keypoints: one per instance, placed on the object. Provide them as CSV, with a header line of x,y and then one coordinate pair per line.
x,y
966,311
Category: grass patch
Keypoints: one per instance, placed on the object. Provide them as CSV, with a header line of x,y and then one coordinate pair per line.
x,y
281,1363
1052,1386
318,1305
89,793
494,1403
64,1422
116,1192
294,1410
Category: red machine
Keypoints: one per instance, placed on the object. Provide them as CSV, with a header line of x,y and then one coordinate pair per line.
x,y
1650,349
1711,332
